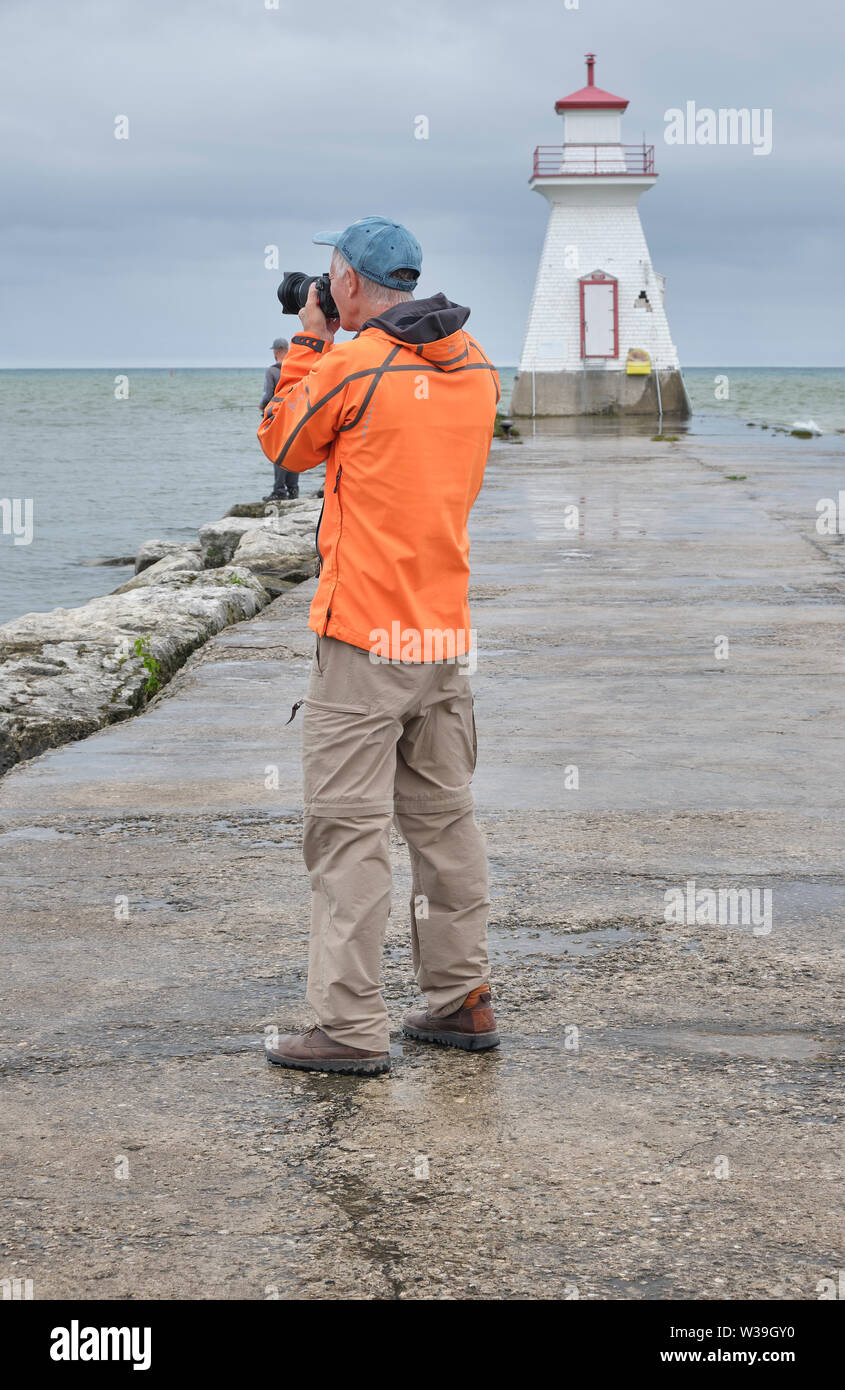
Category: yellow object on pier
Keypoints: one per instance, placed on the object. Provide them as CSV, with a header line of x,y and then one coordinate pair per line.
x,y
638,363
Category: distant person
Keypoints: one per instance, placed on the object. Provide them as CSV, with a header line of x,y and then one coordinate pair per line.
x,y
286,482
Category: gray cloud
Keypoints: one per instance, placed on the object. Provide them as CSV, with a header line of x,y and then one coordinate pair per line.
x,y
251,126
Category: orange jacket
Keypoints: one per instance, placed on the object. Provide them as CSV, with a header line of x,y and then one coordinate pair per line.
x,y
403,416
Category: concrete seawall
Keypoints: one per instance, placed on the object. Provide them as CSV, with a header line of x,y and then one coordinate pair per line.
x,y
659,1120
598,392
70,671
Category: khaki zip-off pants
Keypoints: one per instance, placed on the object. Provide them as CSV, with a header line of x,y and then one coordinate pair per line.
x,y
382,742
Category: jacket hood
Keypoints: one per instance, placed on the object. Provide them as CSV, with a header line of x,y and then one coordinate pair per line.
x,y
432,326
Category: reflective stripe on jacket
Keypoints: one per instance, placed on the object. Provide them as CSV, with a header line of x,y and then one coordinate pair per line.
x,y
403,416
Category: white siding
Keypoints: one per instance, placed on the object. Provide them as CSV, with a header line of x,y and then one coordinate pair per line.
x,y
592,127
599,224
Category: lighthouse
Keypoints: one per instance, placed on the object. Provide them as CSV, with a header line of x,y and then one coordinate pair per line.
x,y
598,340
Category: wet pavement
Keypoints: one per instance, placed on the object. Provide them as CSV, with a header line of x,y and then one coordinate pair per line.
x,y
662,1120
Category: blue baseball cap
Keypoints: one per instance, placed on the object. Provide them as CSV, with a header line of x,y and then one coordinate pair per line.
x,y
377,248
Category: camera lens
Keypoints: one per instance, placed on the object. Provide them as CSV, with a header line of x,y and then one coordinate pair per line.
x,y
293,292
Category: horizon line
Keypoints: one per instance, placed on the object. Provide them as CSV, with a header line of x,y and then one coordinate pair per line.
x,y
509,366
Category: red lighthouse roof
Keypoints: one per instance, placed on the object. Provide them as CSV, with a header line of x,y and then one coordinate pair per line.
x,y
591,97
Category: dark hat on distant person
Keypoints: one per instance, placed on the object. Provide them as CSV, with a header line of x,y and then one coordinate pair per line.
x,y
280,344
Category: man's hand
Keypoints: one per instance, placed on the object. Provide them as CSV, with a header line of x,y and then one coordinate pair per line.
x,y
314,321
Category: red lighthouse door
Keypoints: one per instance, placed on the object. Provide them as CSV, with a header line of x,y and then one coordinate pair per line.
x,y
599,317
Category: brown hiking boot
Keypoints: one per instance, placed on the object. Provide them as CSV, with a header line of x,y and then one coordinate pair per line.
x,y
471,1027
314,1051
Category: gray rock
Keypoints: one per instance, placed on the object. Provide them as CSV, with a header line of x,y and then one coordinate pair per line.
x,y
278,558
65,673
266,542
219,539
253,509
303,519
117,560
262,509
182,560
152,551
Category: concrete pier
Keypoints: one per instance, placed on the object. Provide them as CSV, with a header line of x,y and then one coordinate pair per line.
x,y
659,704
595,391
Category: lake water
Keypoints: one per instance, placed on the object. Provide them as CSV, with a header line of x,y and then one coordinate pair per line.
x,y
106,474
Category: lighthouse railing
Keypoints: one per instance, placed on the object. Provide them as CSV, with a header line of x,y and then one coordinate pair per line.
x,y
583,161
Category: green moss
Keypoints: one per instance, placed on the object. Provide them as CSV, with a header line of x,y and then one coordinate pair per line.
x,y
141,647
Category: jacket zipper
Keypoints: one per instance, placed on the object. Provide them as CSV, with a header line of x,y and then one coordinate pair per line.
x,y
337,540
317,537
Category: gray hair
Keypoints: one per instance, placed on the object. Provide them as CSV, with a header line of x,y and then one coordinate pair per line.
x,y
381,295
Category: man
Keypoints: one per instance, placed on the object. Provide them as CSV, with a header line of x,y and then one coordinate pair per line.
x,y
286,482
403,416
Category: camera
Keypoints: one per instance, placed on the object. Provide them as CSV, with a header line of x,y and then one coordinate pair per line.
x,y
293,292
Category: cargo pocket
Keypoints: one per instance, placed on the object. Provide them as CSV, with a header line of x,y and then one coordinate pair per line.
x,y
341,758
474,737
334,708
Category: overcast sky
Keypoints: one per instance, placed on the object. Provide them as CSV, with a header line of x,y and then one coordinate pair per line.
x,y
251,126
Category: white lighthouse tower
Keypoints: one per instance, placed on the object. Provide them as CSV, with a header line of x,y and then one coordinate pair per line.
x,y
598,339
